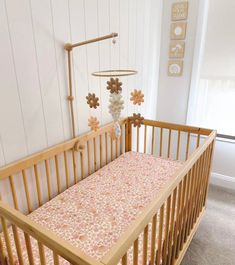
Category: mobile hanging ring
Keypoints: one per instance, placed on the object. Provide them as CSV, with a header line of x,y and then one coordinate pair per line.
x,y
113,73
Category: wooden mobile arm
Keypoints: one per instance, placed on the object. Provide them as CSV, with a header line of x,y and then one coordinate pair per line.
x,y
69,47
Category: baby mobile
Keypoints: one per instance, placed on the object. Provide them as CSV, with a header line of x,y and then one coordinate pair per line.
x,y
116,102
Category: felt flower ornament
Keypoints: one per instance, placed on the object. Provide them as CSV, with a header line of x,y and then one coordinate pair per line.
x,y
92,100
93,123
137,97
114,85
137,120
116,105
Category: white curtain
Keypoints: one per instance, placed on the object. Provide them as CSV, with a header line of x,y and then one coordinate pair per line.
x,y
215,105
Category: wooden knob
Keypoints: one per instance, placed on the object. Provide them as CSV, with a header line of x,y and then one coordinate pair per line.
x,y
79,147
68,47
71,98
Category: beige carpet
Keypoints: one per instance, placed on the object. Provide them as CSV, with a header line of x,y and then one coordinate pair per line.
x,y
214,242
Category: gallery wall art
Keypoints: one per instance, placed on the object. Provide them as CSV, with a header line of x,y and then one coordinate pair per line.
x,y
178,32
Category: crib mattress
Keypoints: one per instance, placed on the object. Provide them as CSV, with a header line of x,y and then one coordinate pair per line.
x,y
94,213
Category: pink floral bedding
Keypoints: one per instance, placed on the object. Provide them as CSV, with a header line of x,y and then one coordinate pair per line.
x,y
94,213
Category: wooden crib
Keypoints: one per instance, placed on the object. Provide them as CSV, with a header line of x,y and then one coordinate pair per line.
x,y
29,183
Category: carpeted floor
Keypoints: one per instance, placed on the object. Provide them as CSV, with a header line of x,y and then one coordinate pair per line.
x,y
214,242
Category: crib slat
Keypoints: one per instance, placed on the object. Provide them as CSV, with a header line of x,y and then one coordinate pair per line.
x,y
135,252
194,194
145,137
82,164
168,208
48,176
111,148
41,253
95,155
116,147
181,216
17,244
200,185
56,258
89,157
66,169
124,260
153,239
161,136
106,148
185,210
187,147
198,140
160,232
57,174
178,145
153,136
26,188
7,240
190,200
121,140
170,243
188,206
101,151
29,248
145,246
138,139
204,178
197,188
38,185
2,256
179,189
74,167
169,144
13,192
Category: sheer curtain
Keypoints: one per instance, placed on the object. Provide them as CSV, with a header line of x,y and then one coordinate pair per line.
x,y
215,105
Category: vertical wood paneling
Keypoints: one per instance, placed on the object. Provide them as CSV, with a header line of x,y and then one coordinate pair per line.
x,y
48,72
132,50
124,48
92,50
104,56
12,132
61,28
26,62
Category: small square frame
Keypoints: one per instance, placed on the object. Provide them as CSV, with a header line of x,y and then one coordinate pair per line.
x,y
177,49
178,30
179,11
175,68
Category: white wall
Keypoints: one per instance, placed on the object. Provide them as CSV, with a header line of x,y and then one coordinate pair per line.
x,y
34,111
173,93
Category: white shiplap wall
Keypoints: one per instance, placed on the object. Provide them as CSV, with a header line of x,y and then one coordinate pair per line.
x,y
34,112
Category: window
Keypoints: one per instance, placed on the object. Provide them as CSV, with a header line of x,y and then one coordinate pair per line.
x,y
212,103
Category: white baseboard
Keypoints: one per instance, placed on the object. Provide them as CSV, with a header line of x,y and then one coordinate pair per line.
x,y
222,181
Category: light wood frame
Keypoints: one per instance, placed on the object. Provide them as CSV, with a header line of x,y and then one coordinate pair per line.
x,y
174,215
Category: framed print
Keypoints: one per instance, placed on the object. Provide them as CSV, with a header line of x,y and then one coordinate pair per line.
x,y
178,30
179,11
176,49
175,68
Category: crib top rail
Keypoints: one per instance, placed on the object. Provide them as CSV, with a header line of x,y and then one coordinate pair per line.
x,y
125,242
29,161
178,127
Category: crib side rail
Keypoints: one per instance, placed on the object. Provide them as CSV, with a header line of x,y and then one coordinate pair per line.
x,y
169,222
48,245
34,180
